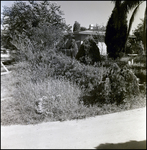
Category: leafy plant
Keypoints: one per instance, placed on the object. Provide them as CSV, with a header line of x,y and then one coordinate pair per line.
x,y
116,86
34,19
89,52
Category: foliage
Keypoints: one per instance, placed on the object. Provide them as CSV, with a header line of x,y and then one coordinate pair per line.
x,y
60,81
48,62
5,40
68,43
74,48
83,28
64,84
62,66
138,32
116,31
76,26
118,17
116,86
128,6
61,96
65,41
88,52
129,49
131,46
33,17
140,59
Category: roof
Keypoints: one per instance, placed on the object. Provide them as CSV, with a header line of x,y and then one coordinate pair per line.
x,y
90,32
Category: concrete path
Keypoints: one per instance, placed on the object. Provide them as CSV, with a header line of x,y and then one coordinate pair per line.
x,y
77,134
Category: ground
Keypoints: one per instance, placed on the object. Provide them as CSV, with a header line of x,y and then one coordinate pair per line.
x,y
90,133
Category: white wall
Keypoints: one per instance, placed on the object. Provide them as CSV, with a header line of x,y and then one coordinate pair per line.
x,y
103,48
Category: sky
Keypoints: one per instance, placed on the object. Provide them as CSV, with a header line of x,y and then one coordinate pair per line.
x,y
89,12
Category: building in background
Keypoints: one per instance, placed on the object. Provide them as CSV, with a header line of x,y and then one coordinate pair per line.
x,y
98,34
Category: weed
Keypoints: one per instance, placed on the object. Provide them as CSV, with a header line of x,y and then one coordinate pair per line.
x,y
58,87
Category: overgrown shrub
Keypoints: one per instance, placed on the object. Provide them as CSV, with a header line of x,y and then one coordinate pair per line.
x,y
60,98
71,69
140,59
141,74
139,68
116,86
88,52
109,61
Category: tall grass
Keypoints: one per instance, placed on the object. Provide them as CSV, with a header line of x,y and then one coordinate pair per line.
x,y
60,100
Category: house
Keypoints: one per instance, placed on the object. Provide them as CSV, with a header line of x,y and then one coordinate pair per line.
x,y
98,35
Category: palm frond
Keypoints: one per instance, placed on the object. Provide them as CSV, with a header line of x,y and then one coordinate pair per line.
x,y
130,5
132,18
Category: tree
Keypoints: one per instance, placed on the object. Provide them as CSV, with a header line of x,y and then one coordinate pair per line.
x,y
116,32
139,41
122,9
138,32
76,26
83,28
126,7
89,52
28,19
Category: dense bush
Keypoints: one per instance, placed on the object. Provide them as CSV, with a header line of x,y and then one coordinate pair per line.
x,y
44,63
60,98
116,86
140,59
65,42
129,49
89,52
141,74
108,62
71,69
45,73
70,48
139,68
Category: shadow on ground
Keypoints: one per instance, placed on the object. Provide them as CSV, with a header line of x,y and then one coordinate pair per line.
x,y
127,145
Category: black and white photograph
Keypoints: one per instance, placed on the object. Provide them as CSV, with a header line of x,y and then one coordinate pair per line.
x,y
73,74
